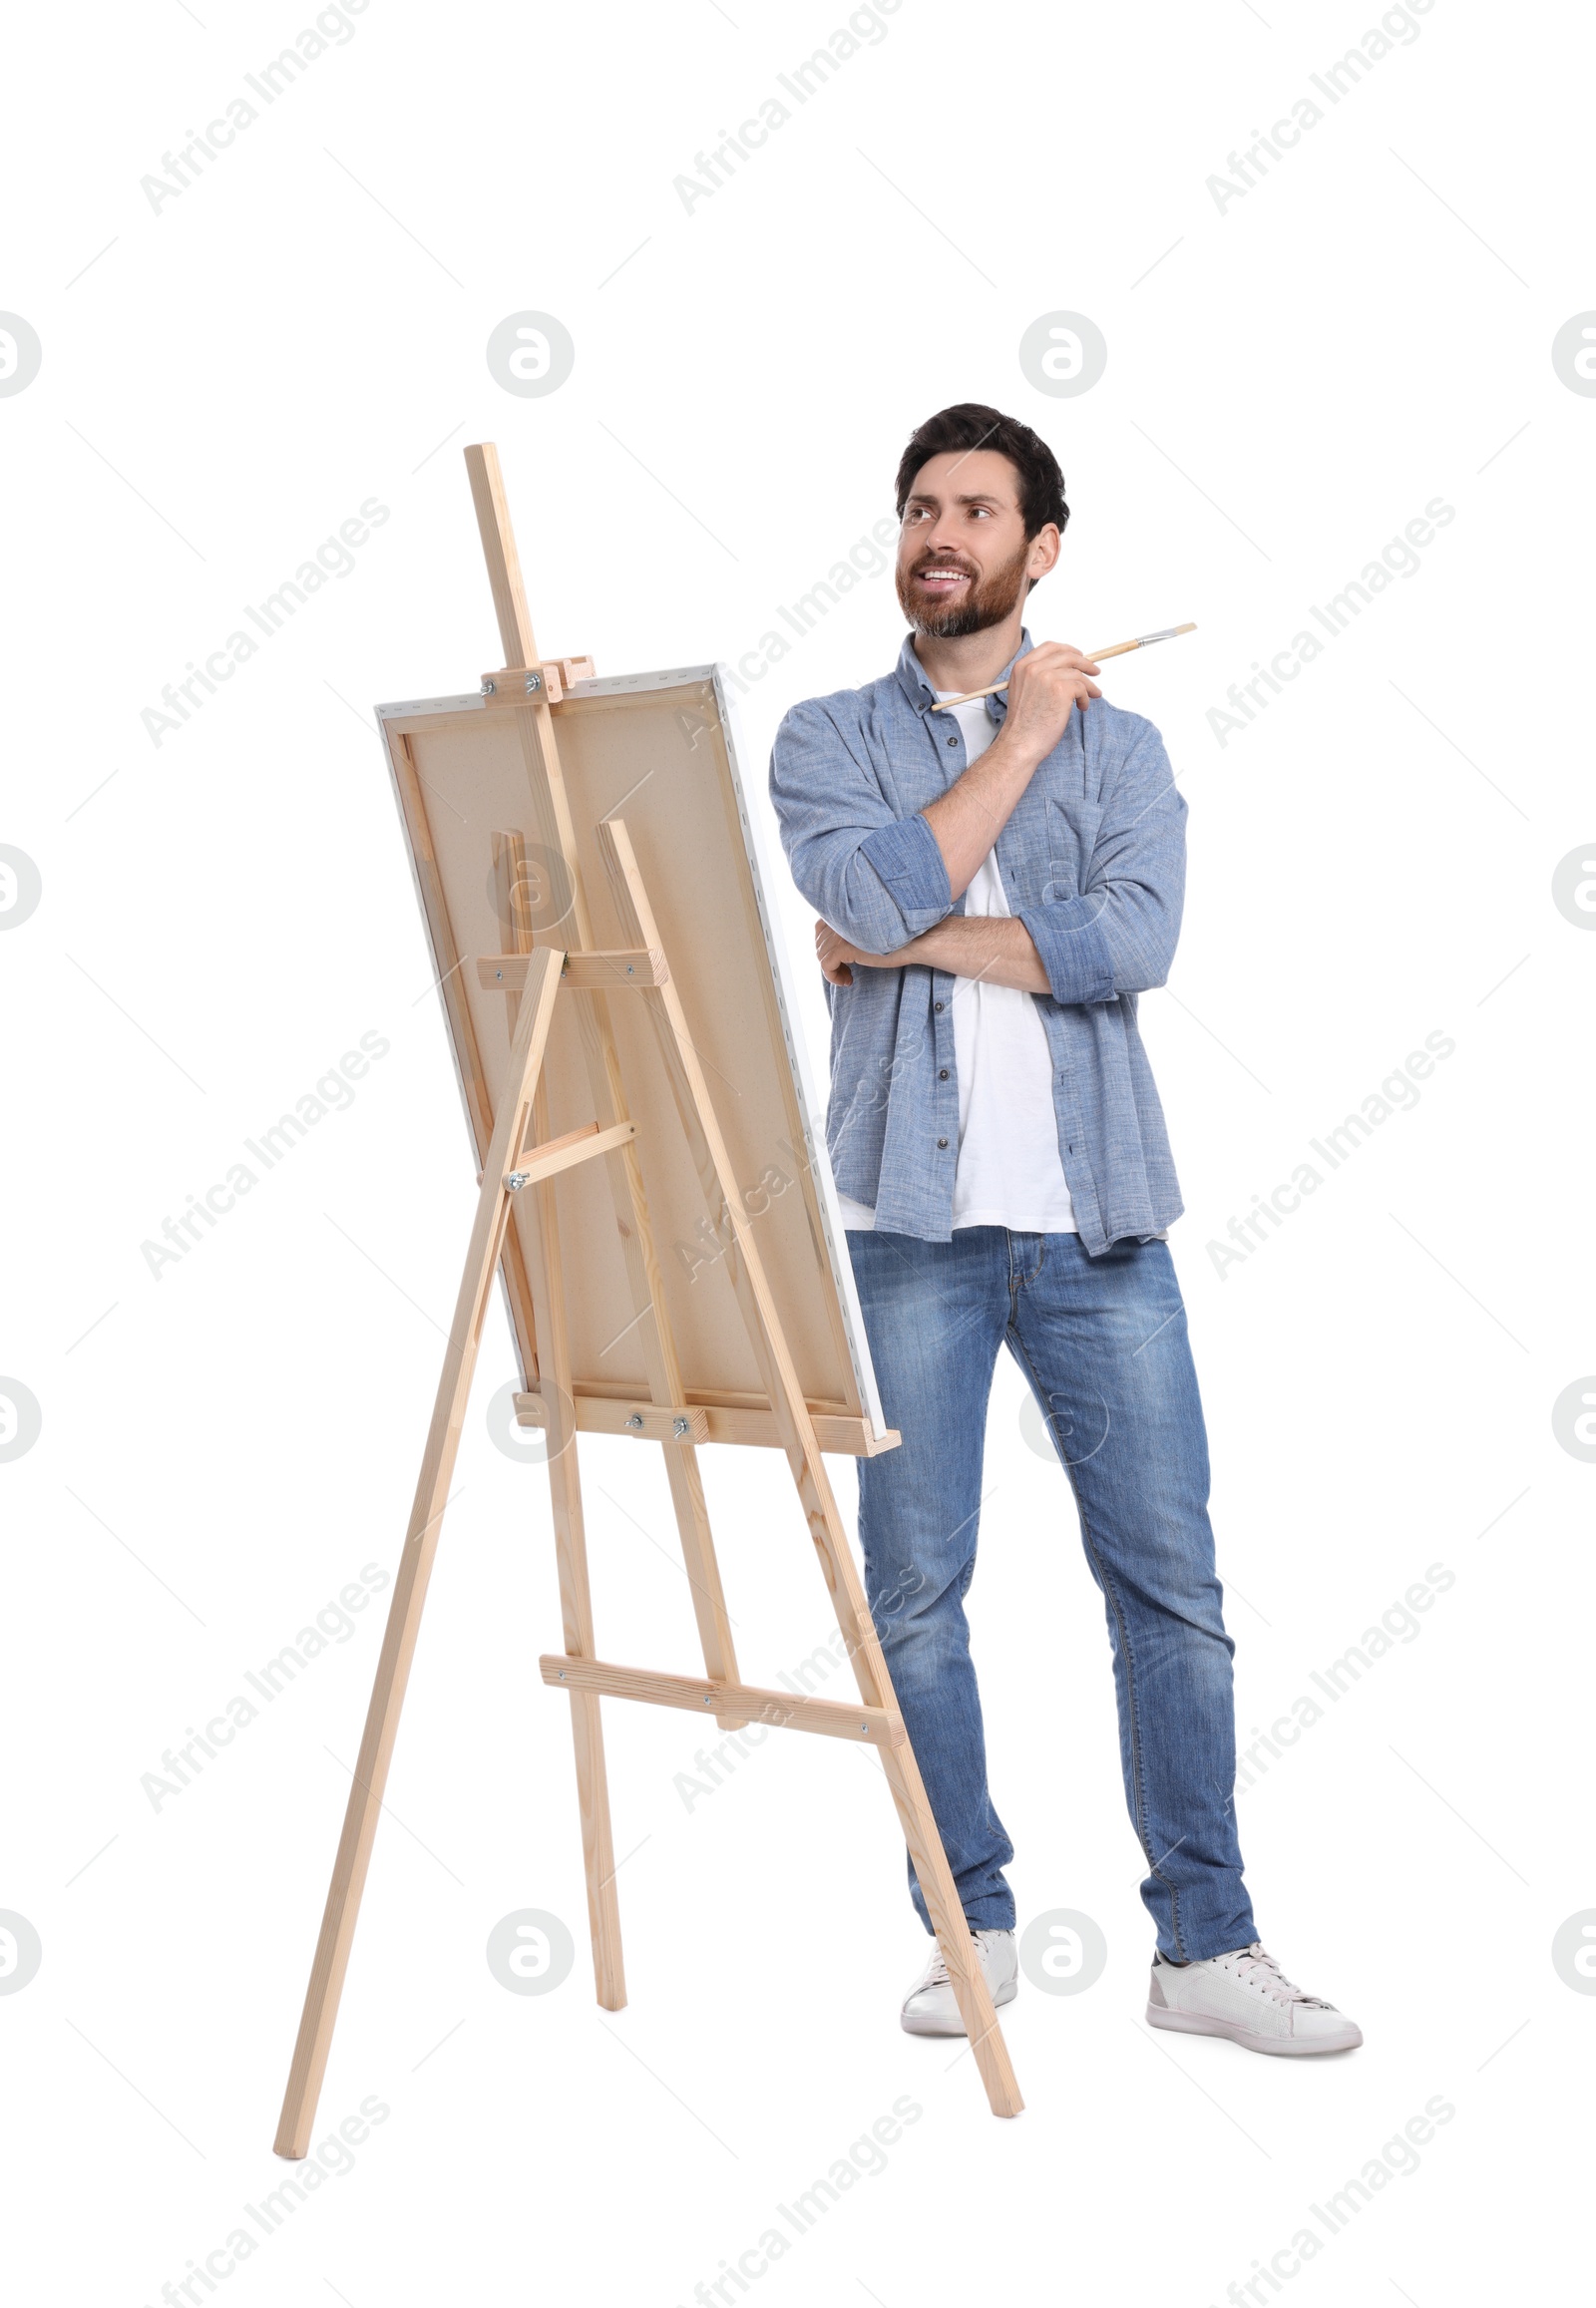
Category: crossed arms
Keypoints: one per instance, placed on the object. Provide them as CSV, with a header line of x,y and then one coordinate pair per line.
x,y
885,887
989,946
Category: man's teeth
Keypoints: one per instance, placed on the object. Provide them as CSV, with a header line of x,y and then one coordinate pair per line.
x,y
935,575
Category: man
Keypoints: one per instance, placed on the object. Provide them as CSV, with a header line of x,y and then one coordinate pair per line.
x,y
997,883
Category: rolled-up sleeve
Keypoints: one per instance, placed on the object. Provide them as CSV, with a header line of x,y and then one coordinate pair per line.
x,y
877,877
1119,934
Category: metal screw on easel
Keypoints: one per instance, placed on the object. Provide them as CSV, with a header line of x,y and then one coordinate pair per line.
x,y
514,1180
679,1428
635,1420
533,684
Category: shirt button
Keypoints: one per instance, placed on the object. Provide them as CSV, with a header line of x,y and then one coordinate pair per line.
x,y
954,741
941,1141
938,1005
942,1075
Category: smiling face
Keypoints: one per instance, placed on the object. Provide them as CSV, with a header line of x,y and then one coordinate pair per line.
x,y
965,562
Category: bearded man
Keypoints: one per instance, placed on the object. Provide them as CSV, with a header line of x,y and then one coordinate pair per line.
x,y
997,883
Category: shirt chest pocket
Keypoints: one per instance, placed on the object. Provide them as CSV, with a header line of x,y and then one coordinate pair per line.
x,y
1072,828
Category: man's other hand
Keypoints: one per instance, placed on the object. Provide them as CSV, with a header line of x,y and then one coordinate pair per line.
x,y
836,955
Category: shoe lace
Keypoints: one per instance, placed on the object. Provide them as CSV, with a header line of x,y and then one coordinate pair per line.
x,y
936,1973
1256,1968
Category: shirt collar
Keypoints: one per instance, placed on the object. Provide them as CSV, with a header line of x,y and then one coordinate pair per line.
x,y
922,696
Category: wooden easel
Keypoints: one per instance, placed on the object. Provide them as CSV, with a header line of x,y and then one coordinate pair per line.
x,y
534,978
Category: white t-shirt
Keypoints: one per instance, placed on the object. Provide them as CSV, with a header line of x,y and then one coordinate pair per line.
x,y
1009,1170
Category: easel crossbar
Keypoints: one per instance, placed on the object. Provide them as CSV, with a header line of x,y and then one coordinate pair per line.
x,y
558,1154
783,1710
583,972
741,1419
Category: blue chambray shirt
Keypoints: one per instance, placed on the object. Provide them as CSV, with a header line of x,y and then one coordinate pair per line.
x,y
1093,862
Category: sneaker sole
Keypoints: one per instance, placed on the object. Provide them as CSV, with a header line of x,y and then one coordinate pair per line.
x,y
915,2026
1280,2047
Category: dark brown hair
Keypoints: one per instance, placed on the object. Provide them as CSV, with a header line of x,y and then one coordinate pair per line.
x,y
970,425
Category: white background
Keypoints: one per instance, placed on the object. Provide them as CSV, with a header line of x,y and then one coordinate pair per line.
x,y
1289,380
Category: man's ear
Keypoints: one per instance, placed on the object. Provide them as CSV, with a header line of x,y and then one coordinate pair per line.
x,y
1044,551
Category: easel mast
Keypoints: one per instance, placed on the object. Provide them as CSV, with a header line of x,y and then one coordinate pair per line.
x,y
534,978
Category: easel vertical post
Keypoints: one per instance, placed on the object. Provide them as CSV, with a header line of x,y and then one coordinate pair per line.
x,y
545,1270
536,724
499,550
545,1280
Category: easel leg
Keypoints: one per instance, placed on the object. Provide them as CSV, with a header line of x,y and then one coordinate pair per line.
x,y
415,1568
915,1815
546,1273
546,1284
934,1877
746,1270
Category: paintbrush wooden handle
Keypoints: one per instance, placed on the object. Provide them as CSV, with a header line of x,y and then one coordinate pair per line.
x,y
1093,658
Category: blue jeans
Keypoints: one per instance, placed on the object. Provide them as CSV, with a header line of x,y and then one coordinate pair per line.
x,y
1102,1344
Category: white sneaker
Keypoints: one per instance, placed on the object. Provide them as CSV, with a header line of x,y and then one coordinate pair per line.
x,y
930,2009
1247,1997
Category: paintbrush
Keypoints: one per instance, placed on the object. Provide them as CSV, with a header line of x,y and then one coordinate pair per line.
x,y
1094,656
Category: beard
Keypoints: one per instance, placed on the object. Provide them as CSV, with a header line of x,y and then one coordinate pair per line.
x,y
987,602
